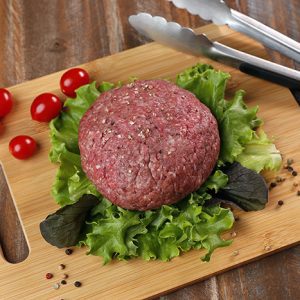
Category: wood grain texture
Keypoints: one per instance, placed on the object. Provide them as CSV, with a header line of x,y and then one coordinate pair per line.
x,y
40,37
258,233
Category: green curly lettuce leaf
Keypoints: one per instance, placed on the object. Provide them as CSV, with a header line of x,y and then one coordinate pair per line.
x,y
215,182
71,182
113,232
207,84
260,154
237,123
64,128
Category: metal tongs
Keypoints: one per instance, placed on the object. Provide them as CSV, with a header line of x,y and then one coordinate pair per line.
x,y
220,14
186,40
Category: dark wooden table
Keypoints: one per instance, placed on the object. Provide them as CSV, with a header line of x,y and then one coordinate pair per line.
x,y
41,37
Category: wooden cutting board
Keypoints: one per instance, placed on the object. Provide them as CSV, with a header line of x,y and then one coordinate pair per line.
x,y
257,233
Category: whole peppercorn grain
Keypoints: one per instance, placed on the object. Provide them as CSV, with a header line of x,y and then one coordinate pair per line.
x,y
290,169
63,282
294,173
61,266
280,202
298,193
77,283
68,251
49,275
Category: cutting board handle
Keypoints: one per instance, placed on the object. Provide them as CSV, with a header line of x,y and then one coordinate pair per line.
x,y
9,243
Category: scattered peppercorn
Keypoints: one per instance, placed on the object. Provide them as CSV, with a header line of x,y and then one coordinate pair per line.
x,y
77,283
56,286
61,266
290,169
49,275
280,202
294,173
290,161
63,282
298,193
273,184
69,251
65,276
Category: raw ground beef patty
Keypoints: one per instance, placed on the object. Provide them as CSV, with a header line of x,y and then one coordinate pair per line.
x,y
147,144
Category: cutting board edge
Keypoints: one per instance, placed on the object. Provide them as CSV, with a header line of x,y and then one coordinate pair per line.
x,y
199,279
232,267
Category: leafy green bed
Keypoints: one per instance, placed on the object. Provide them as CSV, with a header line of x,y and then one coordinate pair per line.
x,y
113,232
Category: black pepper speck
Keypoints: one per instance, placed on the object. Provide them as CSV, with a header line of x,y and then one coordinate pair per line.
x,y
280,202
77,283
68,251
273,184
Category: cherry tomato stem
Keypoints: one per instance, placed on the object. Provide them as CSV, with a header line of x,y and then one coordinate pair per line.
x,y
22,146
72,79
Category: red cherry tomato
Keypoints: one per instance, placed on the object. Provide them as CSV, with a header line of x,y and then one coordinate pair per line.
x,y
22,146
72,79
45,107
6,102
